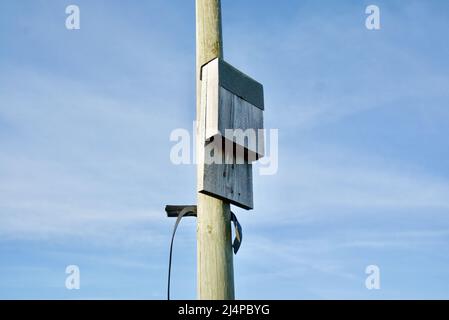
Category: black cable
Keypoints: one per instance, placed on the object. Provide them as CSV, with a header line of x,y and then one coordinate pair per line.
x,y
238,233
184,211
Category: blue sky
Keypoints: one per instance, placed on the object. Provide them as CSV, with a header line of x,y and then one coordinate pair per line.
x,y
363,119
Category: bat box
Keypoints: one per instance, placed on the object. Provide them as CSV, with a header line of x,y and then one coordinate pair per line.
x,y
234,105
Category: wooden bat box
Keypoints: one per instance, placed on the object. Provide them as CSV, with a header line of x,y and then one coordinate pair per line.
x,y
234,108
231,115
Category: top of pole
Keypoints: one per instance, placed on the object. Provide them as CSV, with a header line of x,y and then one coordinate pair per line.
x,y
209,39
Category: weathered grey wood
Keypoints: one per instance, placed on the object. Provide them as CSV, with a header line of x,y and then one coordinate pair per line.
x,y
236,187
215,272
226,111
236,113
225,180
228,181
238,83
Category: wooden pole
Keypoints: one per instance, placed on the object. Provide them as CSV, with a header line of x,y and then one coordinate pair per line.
x,y
215,272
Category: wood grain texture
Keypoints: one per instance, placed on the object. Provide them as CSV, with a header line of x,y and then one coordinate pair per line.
x,y
242,117
215,271
229,181
227,111
226,179
238,83
214,250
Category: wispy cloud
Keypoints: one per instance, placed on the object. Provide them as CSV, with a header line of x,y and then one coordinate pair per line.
x,y
84,145
77,163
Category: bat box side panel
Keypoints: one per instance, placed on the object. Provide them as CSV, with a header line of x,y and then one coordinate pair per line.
x,y
212,96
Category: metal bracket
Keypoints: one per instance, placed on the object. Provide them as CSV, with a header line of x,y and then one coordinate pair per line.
x,y
174,211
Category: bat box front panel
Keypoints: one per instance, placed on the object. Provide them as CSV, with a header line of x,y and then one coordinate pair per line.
x,y
229,180
234,108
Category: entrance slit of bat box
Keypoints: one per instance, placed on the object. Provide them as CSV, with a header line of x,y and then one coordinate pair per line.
x,y
231,128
